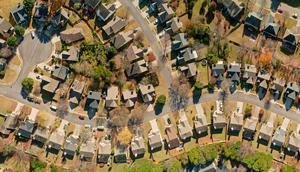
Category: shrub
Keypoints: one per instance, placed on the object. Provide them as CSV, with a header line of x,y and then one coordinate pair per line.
x,y
37,165
161,100
12,41
27,84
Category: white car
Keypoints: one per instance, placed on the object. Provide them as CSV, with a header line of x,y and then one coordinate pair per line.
x,y
53,107
295,15
32,35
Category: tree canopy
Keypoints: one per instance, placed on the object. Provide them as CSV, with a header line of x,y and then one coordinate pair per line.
x,y
161,99
258,161
29,4
19,30
11,41
27,84
288,168
37,165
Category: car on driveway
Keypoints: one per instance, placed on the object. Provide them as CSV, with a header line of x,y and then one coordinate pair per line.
x,y
32,35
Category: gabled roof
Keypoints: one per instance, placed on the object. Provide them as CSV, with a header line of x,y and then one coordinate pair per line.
x,y
171,137
271,29
9,124
114,26
234,67
133,53
254,20
218,69
233,7
154,136
77,86
104,150
278,84
137,68
50,85
5,26
166,13
266,129
20,15
56,140
72,35
92,3
121,39
292,36
71,145
174,25
94,95
263,84
264,75
41,134
26,129
179,41
250,71
112,96
129,94
105,12
71,55
60,72
88,149
294,141
192,70
250,124
184,128
137,145
188,54
293,86
200,122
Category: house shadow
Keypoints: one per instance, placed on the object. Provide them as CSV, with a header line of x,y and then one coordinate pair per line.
x,y
262,141
52,151
202,134
68,156
196,95
275,147
233,132
158,108
275,4
37,143
154,150
91,113
252,35
139,156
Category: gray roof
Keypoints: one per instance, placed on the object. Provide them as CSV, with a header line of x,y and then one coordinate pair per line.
x,y
5,26
179,41
71,55
138,145
114,26
293,86
26,129
112,97
9,124
292,36
49,84
234,67
250,124
233,7
92,3
263,75
20,15
218,69
137,68
154,136
105,12
174,25
77,86
104,150
263,84
71,145
147,92
192,70
72,35
278,84
250,71
41,134
133,53
254,20
200,122
88,149
184,128
94,95
60,72
56,140
166,13
187,54
121,39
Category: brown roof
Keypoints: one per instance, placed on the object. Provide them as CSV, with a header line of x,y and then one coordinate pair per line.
x,y
171,137
121,39
114,26
72,35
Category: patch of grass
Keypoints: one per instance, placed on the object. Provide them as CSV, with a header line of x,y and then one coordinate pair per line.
x,y
196,9
9,77
1,120
6,6
181,9
16,60
7,105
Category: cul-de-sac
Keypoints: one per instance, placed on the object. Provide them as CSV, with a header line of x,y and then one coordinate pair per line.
x,y
149,85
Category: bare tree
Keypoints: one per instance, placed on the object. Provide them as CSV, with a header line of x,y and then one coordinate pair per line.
x,y
63,107
178,93
137,116
119,117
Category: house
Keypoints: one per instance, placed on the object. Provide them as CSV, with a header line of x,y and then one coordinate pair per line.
x,y
130,97
179,41
155,5
279,136
104,150
154,137
249,76
277,88
165,13
91,5
122,39
262,81
291,94
187,55
20,15
271,29
3,63
72,143
173,26
200,121
49,85
134,54
9,125
147,92
171,137
138,148
58,21
266,130
6,29
218,71
88,150
101,123
237,118
60,72
190,70
137,69
184,128
294,141
252,23
121,153
26,128
41,135
76,92
290,40
56,141
234,71
40,15
93,100
72,35
105,12
219,121
210,168
70,55
232,8
250,127
112,97
114,26
2,43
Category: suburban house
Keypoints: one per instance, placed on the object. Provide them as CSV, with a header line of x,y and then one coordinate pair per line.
x,y
134,54
147,92
165,13
9,125
232,8
40,15
279,136
171,137
114,26
173,26
104,150
190,70
154,137
3,64
262,81
41,135
130,97
6,29
19,15
76,92
252,24
58,21
91,5
249,76
121,153
138,148
179,41
291,94
56,141
70,55
250,127
137,69
72,35
290,40
184,128
200,121
60,72
219,121
70,146
2,43
237,118
93,100
26,128
186,55
218,71
233,72
88,149
122,39
277,88
294,141
271,28
105,13
266,130
112,97
49,85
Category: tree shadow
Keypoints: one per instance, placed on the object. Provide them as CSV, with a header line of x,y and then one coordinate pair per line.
x,y
158,108
196,95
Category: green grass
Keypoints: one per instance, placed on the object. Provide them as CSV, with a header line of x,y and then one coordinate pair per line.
x,y
196,9
1,120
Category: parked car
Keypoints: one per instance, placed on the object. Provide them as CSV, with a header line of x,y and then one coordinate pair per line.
x,y
32,35
53,107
